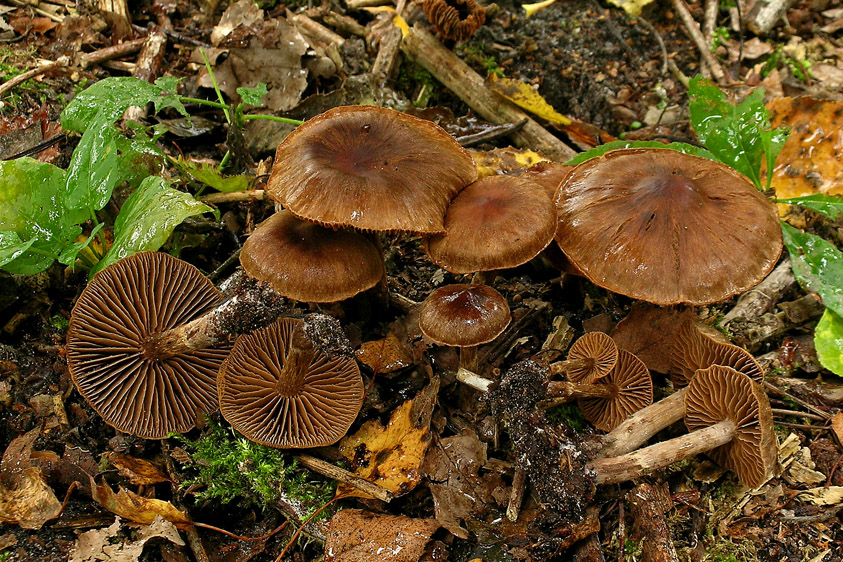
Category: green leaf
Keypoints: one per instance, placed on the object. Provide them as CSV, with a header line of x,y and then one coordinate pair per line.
x,y
211,176
94,172
817,265
253,96
68,255
615,145
148,218
36,223
738,135
828,205
828,340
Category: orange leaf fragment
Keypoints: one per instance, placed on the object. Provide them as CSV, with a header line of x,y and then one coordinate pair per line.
x,y
360,536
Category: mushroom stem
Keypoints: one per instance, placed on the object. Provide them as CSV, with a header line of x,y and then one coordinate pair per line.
x,y
561,392
643,424
570,365
296,363
473,380
252,306
468,358
484,277
633,465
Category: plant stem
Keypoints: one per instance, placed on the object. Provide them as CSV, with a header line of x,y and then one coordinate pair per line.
x,y
272,118
209,103
226,108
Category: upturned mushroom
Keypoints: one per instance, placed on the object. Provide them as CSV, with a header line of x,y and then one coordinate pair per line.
x,y
114,349
692,351
728,415
666,227
497,222
464,316
279,387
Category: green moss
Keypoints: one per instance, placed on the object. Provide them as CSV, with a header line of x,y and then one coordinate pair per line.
x,y
570,413
13,62
229,468
419,84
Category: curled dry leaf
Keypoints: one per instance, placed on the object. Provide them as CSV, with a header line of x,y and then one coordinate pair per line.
x,y
106,543
25,497
388,456
385,355
138,471
359,536
136,508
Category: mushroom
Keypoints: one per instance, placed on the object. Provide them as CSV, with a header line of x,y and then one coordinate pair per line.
x,y
497,222
114,352
695,351
372,169
307,262
591,357
728,414
464,316
666,227
277,388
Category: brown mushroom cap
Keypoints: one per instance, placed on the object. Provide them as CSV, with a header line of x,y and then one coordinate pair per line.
x,y
463,315
126,303
258,405
307,262
721,393
600,353
666,227
632,390
497,222
370,168
549,175
693,350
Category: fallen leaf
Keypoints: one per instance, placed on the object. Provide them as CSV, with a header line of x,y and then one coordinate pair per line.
x,y
385,355
809,161
138,471
135,508
106,543
388,456
526,97
837,426
452,467
504,160
631,7
360,536
25,497
832,495
242,13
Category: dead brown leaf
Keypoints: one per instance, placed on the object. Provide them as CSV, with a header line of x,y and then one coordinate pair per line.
x,y
384,355
646,332
135,508
388,456
25,497
138,471
106,543
809,161
837,426
452,467
359,536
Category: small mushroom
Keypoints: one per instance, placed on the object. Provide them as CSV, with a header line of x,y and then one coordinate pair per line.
x,y
307,262
497,222
464,316
728,414
694,351
113,350
277,388
591,357
630,389
666,227
372,169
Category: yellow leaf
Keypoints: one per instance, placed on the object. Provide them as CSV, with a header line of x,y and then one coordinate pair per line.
x,y
136,508
397,21
533,8
388,456
504,160
524,96
631,7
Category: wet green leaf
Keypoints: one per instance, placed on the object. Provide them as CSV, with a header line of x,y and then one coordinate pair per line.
x,y
36,222
211,176
828,205
738,135
828,339
148,218
817,265
108,99
253,96
615,145
68,255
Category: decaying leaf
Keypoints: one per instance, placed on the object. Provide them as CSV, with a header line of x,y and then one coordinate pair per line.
x,y
837,426
832,495
452,467
106,543
809,161
526,97
647,331
631,7
388,456
360,536
504,160
25,497
138,471
385,355
135,508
